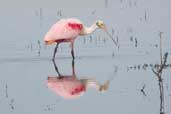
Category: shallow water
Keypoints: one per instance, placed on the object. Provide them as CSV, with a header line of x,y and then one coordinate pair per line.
x,y
25,62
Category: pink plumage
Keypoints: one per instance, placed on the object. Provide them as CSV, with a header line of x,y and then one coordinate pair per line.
x,y
68,87
65,30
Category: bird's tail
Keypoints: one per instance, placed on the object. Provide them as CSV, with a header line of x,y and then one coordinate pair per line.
x,y
49,42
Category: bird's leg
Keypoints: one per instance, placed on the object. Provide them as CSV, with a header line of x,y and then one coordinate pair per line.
x,y
56,68
73,69
55,50
72,50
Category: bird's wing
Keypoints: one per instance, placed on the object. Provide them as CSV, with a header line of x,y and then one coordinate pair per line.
x,y
64,29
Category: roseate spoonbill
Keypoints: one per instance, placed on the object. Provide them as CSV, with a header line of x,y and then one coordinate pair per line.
x,y
69,87
67,30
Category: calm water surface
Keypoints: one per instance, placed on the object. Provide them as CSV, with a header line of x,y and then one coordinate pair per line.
x,y
25,62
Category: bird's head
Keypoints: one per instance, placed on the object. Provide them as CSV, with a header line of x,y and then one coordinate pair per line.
x,y
100,24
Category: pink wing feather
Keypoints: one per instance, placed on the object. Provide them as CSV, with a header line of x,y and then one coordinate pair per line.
x,y
67,87
63,30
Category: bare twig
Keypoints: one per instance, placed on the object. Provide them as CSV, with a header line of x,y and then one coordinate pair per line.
x,y
6,91
160,34
142,90
158,73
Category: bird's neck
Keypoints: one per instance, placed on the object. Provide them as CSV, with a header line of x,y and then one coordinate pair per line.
x,y
91,83
88,30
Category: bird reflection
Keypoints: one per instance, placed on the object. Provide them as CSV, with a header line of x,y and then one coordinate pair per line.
x,y
70,87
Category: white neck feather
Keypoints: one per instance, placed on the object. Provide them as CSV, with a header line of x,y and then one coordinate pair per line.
x,y
91,83
88,30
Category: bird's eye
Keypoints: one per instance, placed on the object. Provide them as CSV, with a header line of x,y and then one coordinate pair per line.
x,y
97,23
